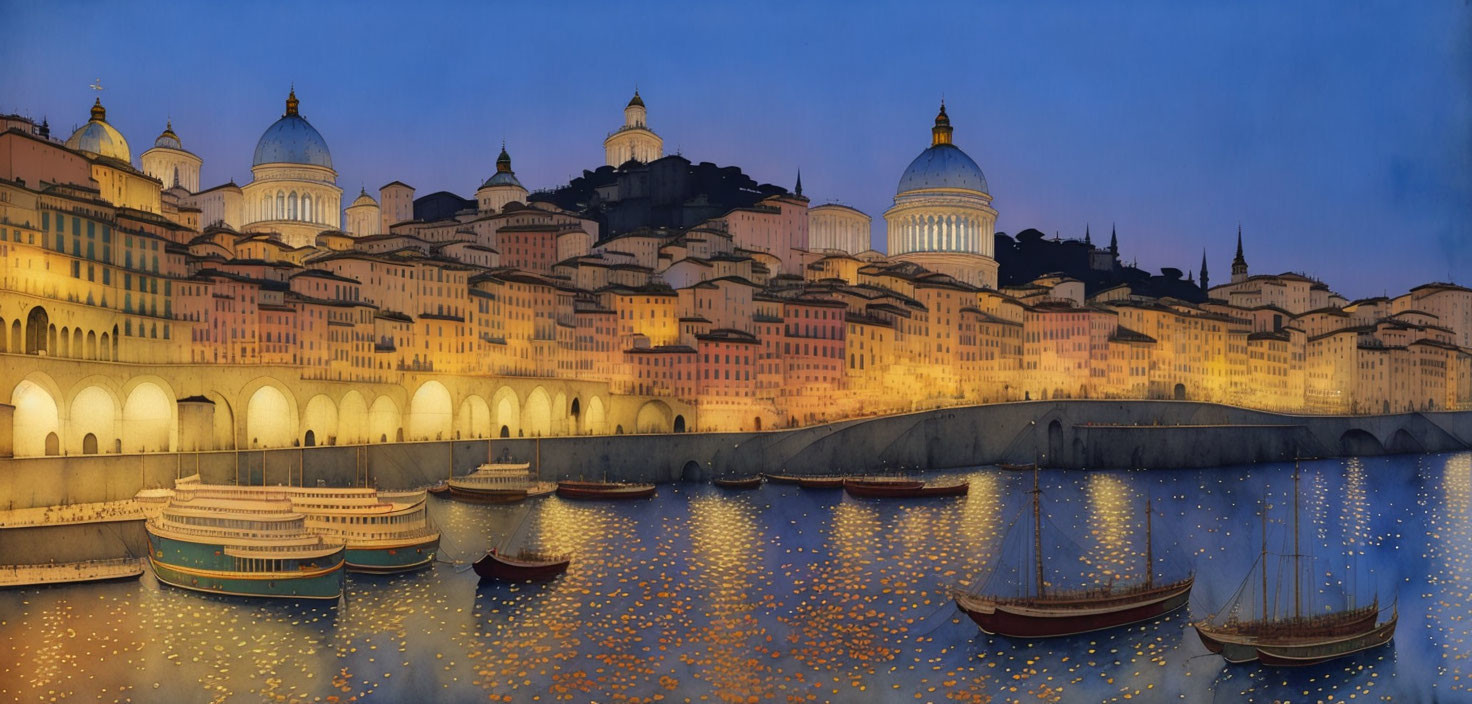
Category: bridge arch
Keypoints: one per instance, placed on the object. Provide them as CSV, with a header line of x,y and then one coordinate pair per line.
x,y
150,415
96,411
270,416
1402,442
321,420
537,413
36,423
430,413
385,424
654,417
474,418
352,419
596,420
561,423
506,423
1355,442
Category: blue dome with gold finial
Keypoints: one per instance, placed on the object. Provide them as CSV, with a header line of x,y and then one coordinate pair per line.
x,y
943,165
292,140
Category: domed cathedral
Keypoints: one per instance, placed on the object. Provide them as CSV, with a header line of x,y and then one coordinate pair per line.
x,y
112,164
169,162
293,190
942,217
501,188
634,141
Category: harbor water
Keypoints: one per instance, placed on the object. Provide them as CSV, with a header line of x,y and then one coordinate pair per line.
x,y
784,594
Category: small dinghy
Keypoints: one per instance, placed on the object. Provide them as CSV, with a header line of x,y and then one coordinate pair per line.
x,y
594,491
748,482
512,561
903,488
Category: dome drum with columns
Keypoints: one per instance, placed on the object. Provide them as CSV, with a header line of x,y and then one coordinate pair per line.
x,y
294,190
634,141
501,188
169,162
942,217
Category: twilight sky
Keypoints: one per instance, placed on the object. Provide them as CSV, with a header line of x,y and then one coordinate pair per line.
x,y
1338,134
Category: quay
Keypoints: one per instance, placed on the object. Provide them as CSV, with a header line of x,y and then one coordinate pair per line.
x,y
67,572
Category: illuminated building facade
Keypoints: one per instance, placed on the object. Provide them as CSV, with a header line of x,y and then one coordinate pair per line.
x,y
155,317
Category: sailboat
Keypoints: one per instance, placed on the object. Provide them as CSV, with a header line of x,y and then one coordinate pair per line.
x,y
1047,613
510,560
1297,640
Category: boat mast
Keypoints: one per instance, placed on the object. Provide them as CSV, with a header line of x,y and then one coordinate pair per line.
x,y
1149,554
1262,557
1296,569
1037,529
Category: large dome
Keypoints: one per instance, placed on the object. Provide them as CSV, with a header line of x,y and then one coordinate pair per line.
x,y
943,166
98,137
292,140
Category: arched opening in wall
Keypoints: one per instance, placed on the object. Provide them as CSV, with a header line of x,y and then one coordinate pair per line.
x,y
320,419
507,409
399,435
536,417
104,348
4,337
474,418
1385,407
51,341
309,440
91,345
114,356
148,419
505,431
352,419
618,430
653,417
691,472
559,416
93,411
76,343
268,419
35,417
596,419
1356,442
383,419
53,445
757,423
89,444
64,348
37,323
575,413
1180,392
430,412
16,344
1403,442
679,425
1055,445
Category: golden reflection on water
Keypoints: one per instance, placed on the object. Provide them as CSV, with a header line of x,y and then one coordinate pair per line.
x,y
1112,520
727,549
1451,536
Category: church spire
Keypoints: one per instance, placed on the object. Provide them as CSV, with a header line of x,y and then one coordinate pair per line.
x,y
292,102
798,189
1239,263
1087,239
503,162
1113,241
1204,279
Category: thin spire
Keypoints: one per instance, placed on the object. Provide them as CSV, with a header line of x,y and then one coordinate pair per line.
x,y
799,182
1087,238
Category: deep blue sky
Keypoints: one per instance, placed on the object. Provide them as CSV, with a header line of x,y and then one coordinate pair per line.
x,y
1339,134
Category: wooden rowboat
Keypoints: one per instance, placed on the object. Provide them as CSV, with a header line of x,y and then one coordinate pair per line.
x,y
822,481
1017,467
782,478
521,566
603,490
748,482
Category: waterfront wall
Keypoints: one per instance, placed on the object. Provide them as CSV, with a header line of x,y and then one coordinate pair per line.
x,y
1071,434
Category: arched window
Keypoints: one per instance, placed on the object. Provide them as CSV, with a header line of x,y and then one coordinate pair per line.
x,y
291,206
280,206
265,213
307,207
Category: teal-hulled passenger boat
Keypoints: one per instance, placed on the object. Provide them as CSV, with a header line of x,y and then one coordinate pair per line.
x,y
243,548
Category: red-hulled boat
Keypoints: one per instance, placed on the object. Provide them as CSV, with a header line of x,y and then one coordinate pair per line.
x,y
603,490
903,488
748,482
1046,613
523,565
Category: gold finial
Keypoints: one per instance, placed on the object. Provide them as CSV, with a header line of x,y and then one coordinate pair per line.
x,y
99,113
292,102
941,133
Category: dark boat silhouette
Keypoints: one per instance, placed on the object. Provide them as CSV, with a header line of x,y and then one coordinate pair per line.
x,y
512,561
745,482
1295,640
1048,612
593,491
903,488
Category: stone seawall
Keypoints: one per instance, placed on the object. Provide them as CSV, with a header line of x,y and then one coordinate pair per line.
x,y
1066,434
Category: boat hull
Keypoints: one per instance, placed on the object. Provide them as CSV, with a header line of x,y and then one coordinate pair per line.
x,y
1304,654
493,567
782,478
392,560
820,482
752,482
1240,645
488,496
189,566
1022,622
903,490
593,491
